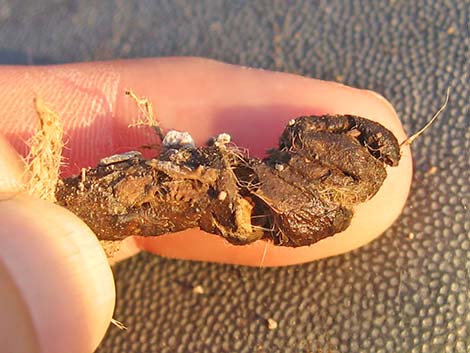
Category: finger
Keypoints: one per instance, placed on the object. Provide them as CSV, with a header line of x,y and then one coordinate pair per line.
x,y
206,97
54,280
56,289
31,320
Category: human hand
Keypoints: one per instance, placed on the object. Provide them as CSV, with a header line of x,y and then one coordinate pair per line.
x,y
56,287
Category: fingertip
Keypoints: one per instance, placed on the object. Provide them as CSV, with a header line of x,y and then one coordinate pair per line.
x,y
61,273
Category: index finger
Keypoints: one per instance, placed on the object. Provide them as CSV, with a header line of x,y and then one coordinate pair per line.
x,y
205,98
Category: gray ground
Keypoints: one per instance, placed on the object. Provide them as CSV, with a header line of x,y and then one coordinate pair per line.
x,y
395,295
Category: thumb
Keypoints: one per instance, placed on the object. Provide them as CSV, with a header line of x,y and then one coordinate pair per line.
x,y
56,287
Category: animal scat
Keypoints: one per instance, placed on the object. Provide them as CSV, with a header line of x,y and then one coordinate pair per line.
x,y
302,192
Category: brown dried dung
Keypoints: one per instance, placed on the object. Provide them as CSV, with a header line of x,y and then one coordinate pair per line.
x,y
302,192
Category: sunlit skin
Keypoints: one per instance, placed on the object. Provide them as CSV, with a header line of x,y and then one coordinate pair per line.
x,y
201,96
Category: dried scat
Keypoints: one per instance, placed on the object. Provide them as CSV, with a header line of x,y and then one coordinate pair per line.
x,y
233,195
302,192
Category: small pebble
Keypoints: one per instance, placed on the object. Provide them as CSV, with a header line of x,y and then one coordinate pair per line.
x,y
411,235
222,139
198,290
279,167
178,139
432,170
272,324
291,122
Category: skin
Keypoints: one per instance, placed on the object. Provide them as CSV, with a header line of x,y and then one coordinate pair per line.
x,y
44,248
